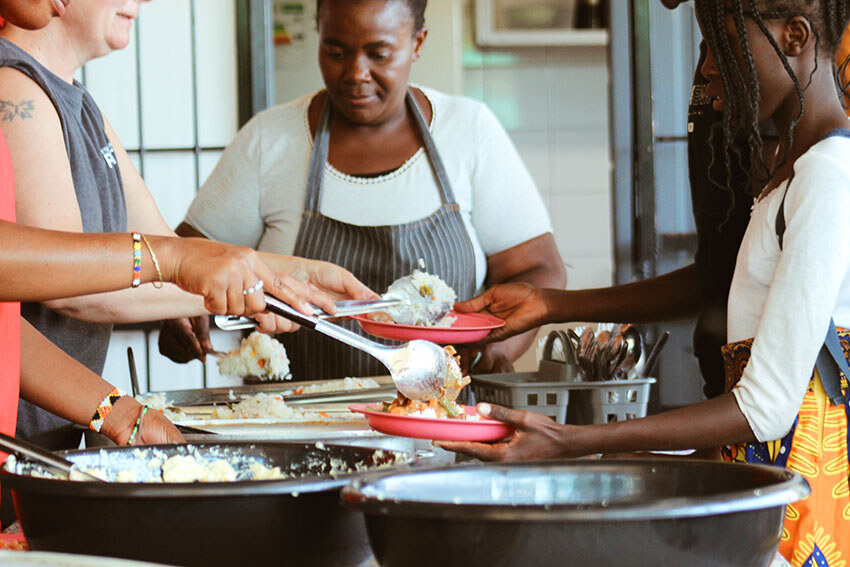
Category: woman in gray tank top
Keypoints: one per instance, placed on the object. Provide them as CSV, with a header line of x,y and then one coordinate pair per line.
x,y
90,186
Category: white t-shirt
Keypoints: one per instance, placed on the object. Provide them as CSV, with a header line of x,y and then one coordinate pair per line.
x,y
255,195
785,298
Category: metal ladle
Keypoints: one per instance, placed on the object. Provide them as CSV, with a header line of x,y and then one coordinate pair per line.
x,y
418,368
26,450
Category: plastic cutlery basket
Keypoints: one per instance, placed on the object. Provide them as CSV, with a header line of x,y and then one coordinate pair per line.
x,y
580,403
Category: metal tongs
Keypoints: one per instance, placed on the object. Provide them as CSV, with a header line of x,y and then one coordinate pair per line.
x,y
344,308
26,450
418,368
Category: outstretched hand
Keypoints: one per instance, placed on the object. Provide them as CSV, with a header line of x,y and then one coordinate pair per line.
x,y
522,306
535,437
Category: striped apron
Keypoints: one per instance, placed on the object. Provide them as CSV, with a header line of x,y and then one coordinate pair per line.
x,y
377,255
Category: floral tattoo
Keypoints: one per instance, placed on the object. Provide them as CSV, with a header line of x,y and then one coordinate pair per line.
x,y
9,110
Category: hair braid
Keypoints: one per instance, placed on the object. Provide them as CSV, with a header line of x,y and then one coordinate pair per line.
x,y
828,20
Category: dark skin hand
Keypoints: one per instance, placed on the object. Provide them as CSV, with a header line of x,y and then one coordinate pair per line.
x,y
534,263
706,425
524,306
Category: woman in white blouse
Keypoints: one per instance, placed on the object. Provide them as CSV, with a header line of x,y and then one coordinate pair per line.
x,y
787,401
373,174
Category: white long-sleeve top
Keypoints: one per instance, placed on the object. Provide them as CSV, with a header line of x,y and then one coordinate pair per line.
x,y
785,298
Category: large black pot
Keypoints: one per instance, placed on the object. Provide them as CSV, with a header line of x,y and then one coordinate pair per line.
x,y
576,513
294,522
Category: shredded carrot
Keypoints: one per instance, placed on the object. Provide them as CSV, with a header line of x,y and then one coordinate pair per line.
x,y
323,414
261,363
298,391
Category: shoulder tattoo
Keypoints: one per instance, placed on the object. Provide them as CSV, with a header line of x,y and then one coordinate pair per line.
x,y
10,110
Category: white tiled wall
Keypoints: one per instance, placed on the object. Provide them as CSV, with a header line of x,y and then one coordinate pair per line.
x,y
170,87
554,103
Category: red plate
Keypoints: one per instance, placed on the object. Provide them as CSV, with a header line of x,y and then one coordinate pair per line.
x,y
468,328
441,429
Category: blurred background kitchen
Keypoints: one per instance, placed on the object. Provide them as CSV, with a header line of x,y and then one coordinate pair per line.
x,y
570,80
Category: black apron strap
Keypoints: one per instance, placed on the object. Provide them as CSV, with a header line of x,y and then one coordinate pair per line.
x,y
443,183
318,159
831,361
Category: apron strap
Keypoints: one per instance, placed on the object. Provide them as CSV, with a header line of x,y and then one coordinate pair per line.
x,y
318,158
443,183
320,155
831,361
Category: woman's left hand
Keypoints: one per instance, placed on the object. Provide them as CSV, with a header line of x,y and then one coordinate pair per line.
x,y
156,429
536,437
492,360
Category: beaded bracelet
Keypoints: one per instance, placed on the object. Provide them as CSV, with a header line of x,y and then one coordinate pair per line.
x,y
157,285
105,407
137,259
138,426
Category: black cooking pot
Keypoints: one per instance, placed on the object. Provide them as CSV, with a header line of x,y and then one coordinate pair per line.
x,y
575,513
296,521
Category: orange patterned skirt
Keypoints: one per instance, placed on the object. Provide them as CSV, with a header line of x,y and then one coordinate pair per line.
x,y
817,529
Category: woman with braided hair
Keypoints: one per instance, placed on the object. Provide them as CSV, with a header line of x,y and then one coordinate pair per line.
x,y
786,402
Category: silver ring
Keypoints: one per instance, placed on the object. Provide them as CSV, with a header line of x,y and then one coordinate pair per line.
x,y
256,287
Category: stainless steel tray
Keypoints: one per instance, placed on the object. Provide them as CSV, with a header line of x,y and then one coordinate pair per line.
x,y
214,396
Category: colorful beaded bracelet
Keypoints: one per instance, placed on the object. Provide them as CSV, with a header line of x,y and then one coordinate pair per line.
x,y
138,426
105,407
137,259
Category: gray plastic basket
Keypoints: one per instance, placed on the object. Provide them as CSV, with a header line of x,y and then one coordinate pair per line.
x,y
580,403
608,401
523,390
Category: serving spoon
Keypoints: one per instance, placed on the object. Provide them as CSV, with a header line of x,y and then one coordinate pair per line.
x,y
418,368
26,450
344,308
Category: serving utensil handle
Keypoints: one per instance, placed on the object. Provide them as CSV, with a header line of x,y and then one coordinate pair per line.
x,y
341,334
26,450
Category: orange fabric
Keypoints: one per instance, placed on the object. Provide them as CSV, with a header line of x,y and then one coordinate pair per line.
x,y
817,529
10,314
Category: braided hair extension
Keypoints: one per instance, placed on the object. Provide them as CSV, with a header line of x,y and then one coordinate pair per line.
x,y
416,7
828,20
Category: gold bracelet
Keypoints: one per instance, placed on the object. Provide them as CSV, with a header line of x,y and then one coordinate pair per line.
x,y
158,284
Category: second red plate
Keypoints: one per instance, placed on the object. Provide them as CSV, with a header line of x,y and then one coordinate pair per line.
x,y
441,429
468,328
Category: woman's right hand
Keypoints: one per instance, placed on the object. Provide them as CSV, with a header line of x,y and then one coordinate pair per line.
x,y
221,272
522,306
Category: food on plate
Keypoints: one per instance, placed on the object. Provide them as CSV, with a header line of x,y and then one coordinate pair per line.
x,y
264,406
259,355
426,301
443,406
